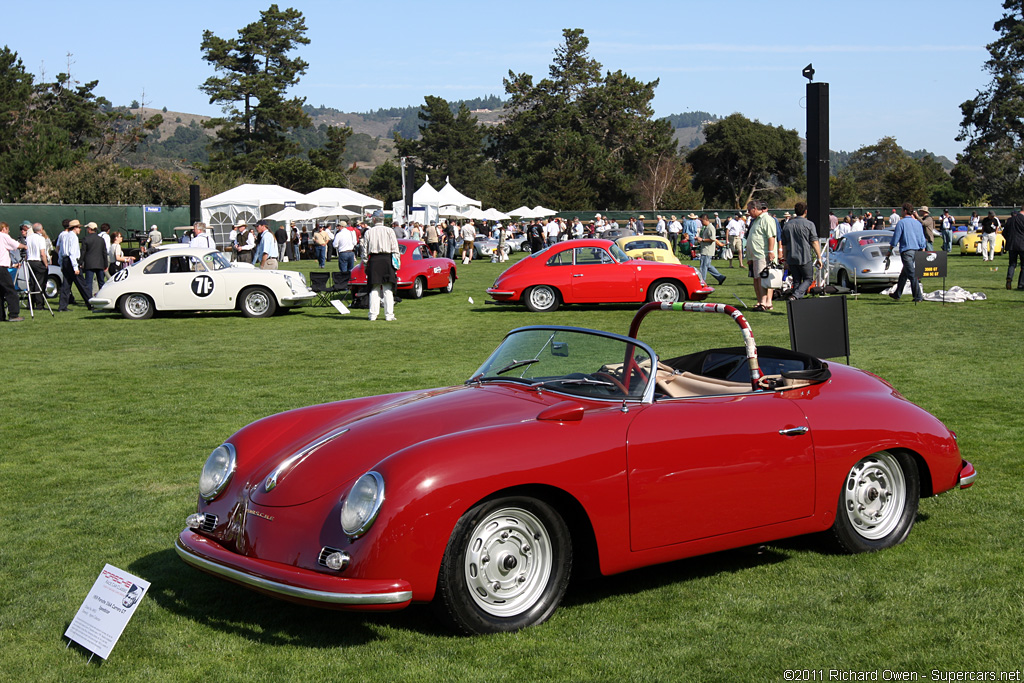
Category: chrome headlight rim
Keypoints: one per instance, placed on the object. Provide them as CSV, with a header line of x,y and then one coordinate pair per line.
x,y
365,518
226,453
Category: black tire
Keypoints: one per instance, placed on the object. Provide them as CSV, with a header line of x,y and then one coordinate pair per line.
x,y
136,306
52,287
542,299
844,281
447,289
257,302
877,503
666,291
418,287
506,567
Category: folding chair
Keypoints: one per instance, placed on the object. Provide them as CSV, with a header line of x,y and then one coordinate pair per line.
x,y
340,285
318,282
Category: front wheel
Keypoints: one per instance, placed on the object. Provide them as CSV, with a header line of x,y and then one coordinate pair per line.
x,y
542,298
418,285
136,306
666,292
506,566
257,302
878,503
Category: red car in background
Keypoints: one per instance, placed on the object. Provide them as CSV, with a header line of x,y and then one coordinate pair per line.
x,y
418,272
594,271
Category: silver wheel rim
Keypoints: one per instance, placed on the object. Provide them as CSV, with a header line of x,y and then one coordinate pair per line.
x,y
508,562
666,293
51,288
137,305
875,495
257,302
417,287
542,297
451,283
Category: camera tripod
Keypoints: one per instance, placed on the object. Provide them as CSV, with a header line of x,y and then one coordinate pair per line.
x,y
25,275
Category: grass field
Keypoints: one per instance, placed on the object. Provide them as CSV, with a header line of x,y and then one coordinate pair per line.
x,y
107,423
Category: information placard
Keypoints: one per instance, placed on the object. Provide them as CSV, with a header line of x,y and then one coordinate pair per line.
x,y
106,610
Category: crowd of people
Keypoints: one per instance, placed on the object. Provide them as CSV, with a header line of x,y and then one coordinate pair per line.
x,y
757,239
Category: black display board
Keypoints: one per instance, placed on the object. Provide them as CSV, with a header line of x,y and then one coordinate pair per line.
x,y
930,264
820,327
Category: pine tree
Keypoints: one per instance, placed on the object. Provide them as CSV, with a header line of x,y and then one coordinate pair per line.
x,y
256,73
992,163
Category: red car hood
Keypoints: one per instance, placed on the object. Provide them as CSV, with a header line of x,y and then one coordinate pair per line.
x,y
376,432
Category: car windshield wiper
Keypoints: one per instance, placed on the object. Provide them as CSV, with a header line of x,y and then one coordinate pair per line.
x,y
517,364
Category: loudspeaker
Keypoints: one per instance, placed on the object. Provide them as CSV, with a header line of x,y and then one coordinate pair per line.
x,y
818,200
410,184
194,212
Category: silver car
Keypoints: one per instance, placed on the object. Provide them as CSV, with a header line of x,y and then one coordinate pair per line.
x,y
858,260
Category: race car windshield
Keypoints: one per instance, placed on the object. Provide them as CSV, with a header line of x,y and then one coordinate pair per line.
x,y
216,261
571,361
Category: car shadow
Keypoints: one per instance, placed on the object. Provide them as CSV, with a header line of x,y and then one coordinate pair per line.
x,y
232,609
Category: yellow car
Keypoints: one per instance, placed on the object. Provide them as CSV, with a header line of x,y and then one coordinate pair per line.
x,y
971,243
648,248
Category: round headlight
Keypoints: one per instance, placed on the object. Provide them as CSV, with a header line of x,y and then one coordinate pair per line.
x,y
217,471
362,504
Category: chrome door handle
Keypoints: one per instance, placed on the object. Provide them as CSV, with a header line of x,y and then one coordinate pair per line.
x,y
794,431
577,274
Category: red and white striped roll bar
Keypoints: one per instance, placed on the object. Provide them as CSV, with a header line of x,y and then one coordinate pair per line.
x,y
748,335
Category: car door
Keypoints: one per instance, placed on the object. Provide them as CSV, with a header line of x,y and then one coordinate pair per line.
x,y
597,277
704,466
190,286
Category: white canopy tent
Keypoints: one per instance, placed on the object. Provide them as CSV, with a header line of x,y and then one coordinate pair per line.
x,y
448,195
248,202
348,203
539,212
522,212
493,214
426,204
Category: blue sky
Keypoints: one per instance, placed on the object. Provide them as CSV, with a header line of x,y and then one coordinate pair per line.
x,y
899,68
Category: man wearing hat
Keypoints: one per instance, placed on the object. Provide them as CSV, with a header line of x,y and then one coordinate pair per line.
x,y
233,241
246,242
38,260
948,223
94,258
68,254
266,249
156,238
381,246
928,223
691,228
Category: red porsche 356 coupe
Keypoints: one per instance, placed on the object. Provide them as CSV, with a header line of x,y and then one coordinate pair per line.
x,y
594,271
419,271
567,446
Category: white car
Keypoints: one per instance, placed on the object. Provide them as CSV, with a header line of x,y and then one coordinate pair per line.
x,y
202,279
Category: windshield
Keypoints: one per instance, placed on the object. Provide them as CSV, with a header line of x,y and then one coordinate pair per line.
x,y
216,261
572,361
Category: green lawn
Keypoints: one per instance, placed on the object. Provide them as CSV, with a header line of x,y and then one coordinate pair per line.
x,y
107,423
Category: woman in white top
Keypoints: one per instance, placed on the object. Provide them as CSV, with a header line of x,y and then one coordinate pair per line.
x,y
116,255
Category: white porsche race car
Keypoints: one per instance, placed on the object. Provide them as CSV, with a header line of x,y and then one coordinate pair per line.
x,y
187,279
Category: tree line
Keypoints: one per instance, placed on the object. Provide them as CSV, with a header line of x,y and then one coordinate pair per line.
x,y
581,137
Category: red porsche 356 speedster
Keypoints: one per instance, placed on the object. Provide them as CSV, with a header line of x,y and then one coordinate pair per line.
x,y
567,445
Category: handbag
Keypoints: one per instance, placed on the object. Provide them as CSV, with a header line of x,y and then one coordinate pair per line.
x,y
396,261
771,277
727,253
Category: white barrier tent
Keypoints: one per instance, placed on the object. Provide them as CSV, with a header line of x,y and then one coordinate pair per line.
x,y
248,202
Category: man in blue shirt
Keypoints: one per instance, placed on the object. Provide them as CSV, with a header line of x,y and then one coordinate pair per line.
x,y
908,237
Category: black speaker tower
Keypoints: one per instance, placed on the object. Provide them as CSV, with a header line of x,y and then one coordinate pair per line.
x,y
818,201
195,215
410,185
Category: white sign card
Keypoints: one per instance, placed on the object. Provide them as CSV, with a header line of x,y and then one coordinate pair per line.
x,y
106,610
342,308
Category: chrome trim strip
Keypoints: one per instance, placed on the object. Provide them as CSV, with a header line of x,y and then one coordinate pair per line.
x,y
285,589
968,480
271,481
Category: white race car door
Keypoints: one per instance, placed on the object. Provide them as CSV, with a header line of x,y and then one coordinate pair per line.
x,y
190,286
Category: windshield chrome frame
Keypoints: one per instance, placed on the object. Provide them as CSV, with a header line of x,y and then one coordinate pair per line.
x,y
646,398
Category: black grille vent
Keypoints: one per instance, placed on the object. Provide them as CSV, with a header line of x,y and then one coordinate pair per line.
x,y
209,522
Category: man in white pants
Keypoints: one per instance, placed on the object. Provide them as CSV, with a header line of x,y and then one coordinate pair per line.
x,y
380,245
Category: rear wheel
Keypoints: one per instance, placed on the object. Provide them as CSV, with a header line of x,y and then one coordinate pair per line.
x,y
844,280
542,298
418,285
136,306
257,302
506,566
447,289
52,288
878,503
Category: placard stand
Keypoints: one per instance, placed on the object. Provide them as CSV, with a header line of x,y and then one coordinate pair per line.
x,y
820,327
105,612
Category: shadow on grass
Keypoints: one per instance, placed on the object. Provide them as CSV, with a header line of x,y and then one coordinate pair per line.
x,y
232,609
598,588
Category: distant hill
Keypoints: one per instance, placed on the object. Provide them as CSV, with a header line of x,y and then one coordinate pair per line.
x,y
180,141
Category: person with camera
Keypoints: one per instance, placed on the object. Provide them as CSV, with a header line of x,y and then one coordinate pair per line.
x,y
10,294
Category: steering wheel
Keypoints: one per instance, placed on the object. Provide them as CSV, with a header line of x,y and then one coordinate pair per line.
x,y
607,376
